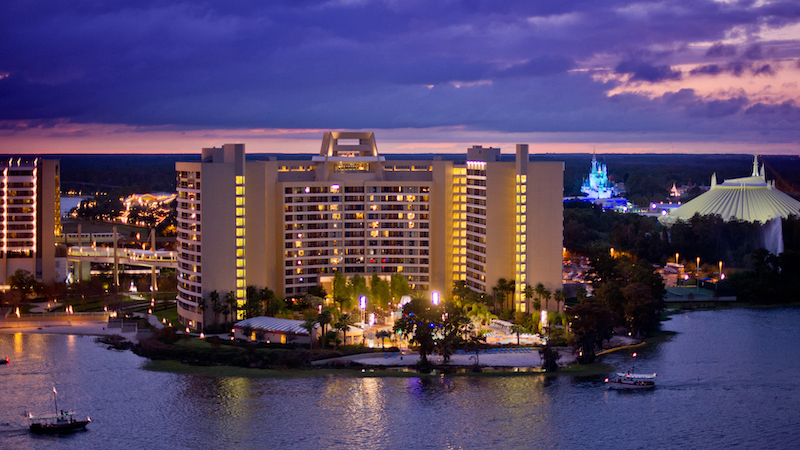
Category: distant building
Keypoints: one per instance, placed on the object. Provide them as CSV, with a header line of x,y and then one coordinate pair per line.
x,y
31,219
597,186
751,199
685,190
290,225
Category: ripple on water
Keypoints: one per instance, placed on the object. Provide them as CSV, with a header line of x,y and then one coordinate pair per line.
x,y
727,379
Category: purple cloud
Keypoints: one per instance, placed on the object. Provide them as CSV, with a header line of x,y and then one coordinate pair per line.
x,y
642,71
514,65
720,50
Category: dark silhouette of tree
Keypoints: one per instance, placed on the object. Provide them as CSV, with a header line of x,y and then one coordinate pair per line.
x,y
230,305
216,305
309,324
432,326
591,324
550,356
324,318
23,281
382,335
343,324
253,302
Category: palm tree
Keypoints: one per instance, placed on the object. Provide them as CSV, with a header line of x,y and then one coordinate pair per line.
x,y
518,328
510,287
309,325
216,305
267,297
529,293
343,324
539,290
546,296
324,318
382,335
560,298
230,301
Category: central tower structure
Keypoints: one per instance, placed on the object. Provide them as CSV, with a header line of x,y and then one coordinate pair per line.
x,y
292,224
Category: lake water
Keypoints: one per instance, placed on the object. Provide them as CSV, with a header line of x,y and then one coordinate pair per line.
x,y
68,202
727,379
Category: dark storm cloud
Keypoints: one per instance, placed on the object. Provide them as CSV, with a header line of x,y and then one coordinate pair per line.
x,y
643,71
753,52
514,65
736,68
710,69
721,50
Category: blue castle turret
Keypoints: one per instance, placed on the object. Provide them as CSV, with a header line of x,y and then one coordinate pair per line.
x,y
597,185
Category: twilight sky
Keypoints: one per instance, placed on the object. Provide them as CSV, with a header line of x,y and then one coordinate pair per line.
x,y
683,76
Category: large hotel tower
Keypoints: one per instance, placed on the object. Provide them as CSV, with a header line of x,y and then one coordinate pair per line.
x,y
290,225
30,219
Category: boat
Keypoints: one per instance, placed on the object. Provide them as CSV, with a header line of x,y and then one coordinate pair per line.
x,y
64,422
58,423
629,380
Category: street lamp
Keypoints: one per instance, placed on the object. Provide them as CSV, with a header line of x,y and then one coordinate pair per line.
x,y
697,275
362,305
435,298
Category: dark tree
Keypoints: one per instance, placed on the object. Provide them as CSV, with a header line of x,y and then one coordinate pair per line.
x,y
591,325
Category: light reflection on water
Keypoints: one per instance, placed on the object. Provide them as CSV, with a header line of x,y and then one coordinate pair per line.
x,y
728,379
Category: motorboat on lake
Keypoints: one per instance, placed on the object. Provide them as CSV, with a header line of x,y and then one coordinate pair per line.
x,y
64,422
629,380
60,422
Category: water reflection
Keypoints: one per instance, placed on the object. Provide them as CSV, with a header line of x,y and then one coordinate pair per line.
x,y
706,398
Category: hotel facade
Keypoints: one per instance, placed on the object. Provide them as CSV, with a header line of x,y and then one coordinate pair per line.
x,y
30,219
290,225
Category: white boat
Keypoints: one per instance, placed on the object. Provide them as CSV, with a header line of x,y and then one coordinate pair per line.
x,y
629,380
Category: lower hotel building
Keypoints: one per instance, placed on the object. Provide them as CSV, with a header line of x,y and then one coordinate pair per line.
x,y
290,225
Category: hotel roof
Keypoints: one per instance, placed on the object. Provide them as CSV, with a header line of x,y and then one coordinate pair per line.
x,y
274,324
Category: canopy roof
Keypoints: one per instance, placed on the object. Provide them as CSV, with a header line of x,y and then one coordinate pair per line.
x,y
273,324
751,199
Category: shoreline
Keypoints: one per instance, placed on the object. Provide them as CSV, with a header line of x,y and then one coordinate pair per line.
x,y
373,363
81,328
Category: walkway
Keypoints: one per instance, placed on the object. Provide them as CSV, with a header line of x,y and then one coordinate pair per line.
x,y
129,256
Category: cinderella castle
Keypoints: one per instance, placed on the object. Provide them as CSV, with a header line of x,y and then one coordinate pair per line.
x,y
597,186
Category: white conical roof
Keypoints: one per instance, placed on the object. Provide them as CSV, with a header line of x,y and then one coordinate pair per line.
x,y
751,199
